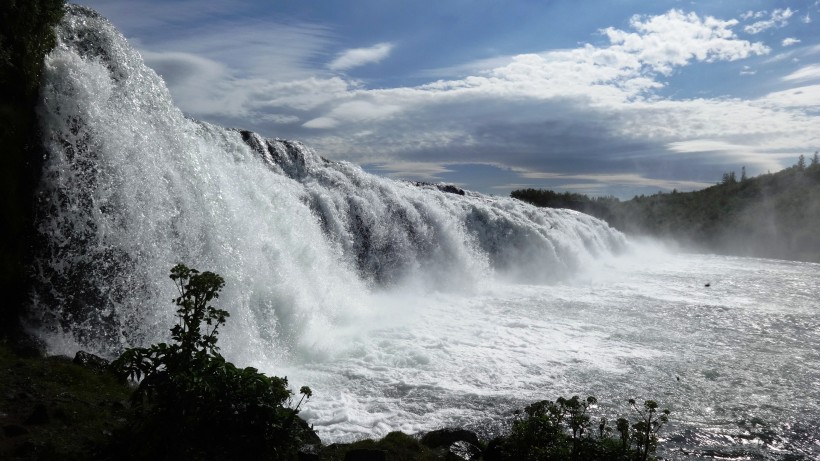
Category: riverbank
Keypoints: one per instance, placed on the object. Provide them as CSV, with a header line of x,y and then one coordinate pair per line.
x,y
71,409
59,408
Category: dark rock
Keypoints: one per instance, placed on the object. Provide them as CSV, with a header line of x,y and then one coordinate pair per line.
x,y
308,453
90,361
28,346
495,450
450,189
39,415
307,434
463,451
365,454
13,430
447,437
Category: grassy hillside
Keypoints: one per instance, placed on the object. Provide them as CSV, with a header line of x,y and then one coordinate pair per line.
x,y
773,215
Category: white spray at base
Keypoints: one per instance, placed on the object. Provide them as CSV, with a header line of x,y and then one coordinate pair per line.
x,y
131,187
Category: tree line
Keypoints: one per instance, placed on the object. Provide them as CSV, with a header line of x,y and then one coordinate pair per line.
x,y
772,215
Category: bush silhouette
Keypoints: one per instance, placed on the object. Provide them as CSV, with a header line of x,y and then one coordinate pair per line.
x,y
193,404
563,430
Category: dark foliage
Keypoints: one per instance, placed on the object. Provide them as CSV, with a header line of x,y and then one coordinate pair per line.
x,y
565,430
771,215
26,35
193,404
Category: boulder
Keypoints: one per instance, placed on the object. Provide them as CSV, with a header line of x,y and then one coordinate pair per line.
x,y
463,451
365,454
90,361
447,437
307,434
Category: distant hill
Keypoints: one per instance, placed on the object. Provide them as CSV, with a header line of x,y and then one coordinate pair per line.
x,y
772,215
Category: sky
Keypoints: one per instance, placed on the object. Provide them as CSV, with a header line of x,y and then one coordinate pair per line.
x,y
601,97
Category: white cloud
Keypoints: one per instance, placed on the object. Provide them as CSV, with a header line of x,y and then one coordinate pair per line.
x,y
614,179
779,18
357,57
322,123
752,15
252,48
279,118
420,171
811,72
704,145
675,38
575,87
747,71
198,84
741,154
806,97
593,105
790,41
354,112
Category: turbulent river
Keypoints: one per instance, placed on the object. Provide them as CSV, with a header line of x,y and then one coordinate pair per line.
x,y
404,306
737,362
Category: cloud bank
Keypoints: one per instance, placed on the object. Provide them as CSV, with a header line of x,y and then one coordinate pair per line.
x,y
596,117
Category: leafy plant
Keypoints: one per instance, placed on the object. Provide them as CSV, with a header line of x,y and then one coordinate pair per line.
x,y
196,405
647,427
562,430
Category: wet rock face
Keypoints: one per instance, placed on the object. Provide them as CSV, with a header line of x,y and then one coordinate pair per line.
x,y
365,454
461,444
463,451
90,361
447,437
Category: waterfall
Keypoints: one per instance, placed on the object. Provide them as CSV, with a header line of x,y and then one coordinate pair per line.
x,y
131,186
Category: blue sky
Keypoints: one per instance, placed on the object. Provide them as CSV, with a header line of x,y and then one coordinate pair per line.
x,y
600,97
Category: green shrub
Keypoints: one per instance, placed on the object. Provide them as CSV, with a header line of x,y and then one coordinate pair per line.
x,y
192,403
564,430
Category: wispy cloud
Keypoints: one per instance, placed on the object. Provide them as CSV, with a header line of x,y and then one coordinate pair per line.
x,y
803,97
357,57
596,181
778,18
747,71
789,41
752,15
418,170
811,72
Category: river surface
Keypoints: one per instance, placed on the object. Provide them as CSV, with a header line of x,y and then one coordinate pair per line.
x,y
737,362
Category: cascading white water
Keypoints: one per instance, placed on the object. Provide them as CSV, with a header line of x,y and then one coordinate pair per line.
x,y
131,187
403,306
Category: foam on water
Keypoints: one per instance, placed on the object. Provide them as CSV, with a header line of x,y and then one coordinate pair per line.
x,y
737,362
404,306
